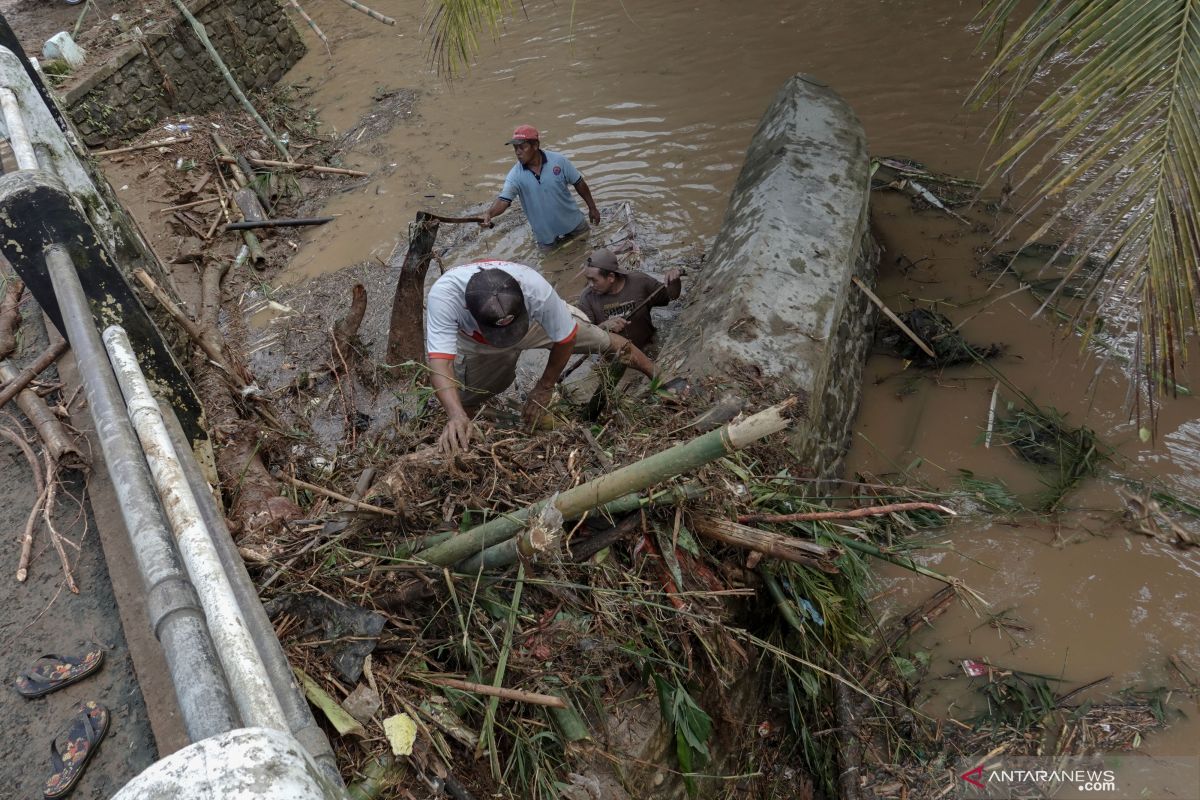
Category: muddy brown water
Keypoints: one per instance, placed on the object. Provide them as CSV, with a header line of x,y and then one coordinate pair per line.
x,y
656,104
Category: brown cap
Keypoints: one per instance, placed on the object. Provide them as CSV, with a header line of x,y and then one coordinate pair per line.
x,y
603,258
497,303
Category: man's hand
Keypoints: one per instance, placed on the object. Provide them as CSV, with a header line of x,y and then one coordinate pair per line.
x,y
457,435
535,406
594,215
614,324
486,222
672,275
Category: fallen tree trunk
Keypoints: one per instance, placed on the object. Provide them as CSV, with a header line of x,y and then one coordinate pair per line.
x,y
635,477
406,329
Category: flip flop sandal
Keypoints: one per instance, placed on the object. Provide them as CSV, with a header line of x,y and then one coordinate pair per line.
x,y
79,742
51,673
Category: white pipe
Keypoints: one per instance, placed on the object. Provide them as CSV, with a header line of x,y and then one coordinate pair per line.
x,y
18,136
248,678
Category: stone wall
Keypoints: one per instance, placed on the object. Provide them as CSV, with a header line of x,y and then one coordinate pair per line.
x,y
170,73
775,299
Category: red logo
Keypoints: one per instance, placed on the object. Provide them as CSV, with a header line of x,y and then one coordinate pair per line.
x,y
970,775
558,170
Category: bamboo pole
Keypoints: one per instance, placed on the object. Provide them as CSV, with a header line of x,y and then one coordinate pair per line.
x,y
133,148
304,16
372,14
198,29
632,478
507,552
887,312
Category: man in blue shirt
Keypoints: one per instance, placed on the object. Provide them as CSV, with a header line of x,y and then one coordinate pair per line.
x,y
541,179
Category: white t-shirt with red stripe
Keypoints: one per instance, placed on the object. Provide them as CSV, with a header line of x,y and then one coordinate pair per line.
x,y
447,317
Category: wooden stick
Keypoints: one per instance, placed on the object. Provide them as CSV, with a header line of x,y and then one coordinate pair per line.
x,y
47,517
312,487
157,143
191,329
39,365
277,223
187,223
192,204
27,537
496,691
887,312
264,162
853,513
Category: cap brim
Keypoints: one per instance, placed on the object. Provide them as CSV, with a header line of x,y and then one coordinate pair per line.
x,y
518,141
506,335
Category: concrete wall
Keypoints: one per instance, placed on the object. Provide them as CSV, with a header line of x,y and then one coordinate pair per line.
x,y
775,299
129,94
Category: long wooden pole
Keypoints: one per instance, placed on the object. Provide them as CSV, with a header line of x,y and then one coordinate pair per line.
x,y
632,478
49,356
198,29
266,162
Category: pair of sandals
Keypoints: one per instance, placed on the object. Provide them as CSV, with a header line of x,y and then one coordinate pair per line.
x,y
72,749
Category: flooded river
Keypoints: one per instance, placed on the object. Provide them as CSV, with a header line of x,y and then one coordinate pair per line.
x,y
656,103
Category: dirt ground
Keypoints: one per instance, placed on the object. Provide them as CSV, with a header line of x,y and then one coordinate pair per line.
x,y
41,616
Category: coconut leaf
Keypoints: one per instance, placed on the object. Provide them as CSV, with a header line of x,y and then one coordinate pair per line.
x,y
1115,147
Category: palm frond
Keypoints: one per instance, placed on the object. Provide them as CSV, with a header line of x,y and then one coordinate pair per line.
x,y
1115,146
455,26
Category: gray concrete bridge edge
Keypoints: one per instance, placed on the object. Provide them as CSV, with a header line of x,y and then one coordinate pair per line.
x,y
775,299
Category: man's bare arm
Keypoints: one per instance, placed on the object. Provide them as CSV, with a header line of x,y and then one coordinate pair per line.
x,y
457,435
586,193
499,207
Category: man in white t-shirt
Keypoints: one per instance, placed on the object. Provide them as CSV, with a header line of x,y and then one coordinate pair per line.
x,y
478,319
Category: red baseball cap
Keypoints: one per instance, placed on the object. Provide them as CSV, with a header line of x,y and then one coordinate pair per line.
x,y
524,133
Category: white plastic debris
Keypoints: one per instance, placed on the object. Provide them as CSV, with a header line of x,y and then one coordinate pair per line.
x,y
62,46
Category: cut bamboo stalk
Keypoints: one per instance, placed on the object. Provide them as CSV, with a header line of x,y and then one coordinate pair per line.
x,y
887,312
39,365
775,545
264,162
198,29
257,256
632,478
135,147
851,513
496,691
507,552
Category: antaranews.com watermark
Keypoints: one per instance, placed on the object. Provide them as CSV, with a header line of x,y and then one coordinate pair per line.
x,y
1125,777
